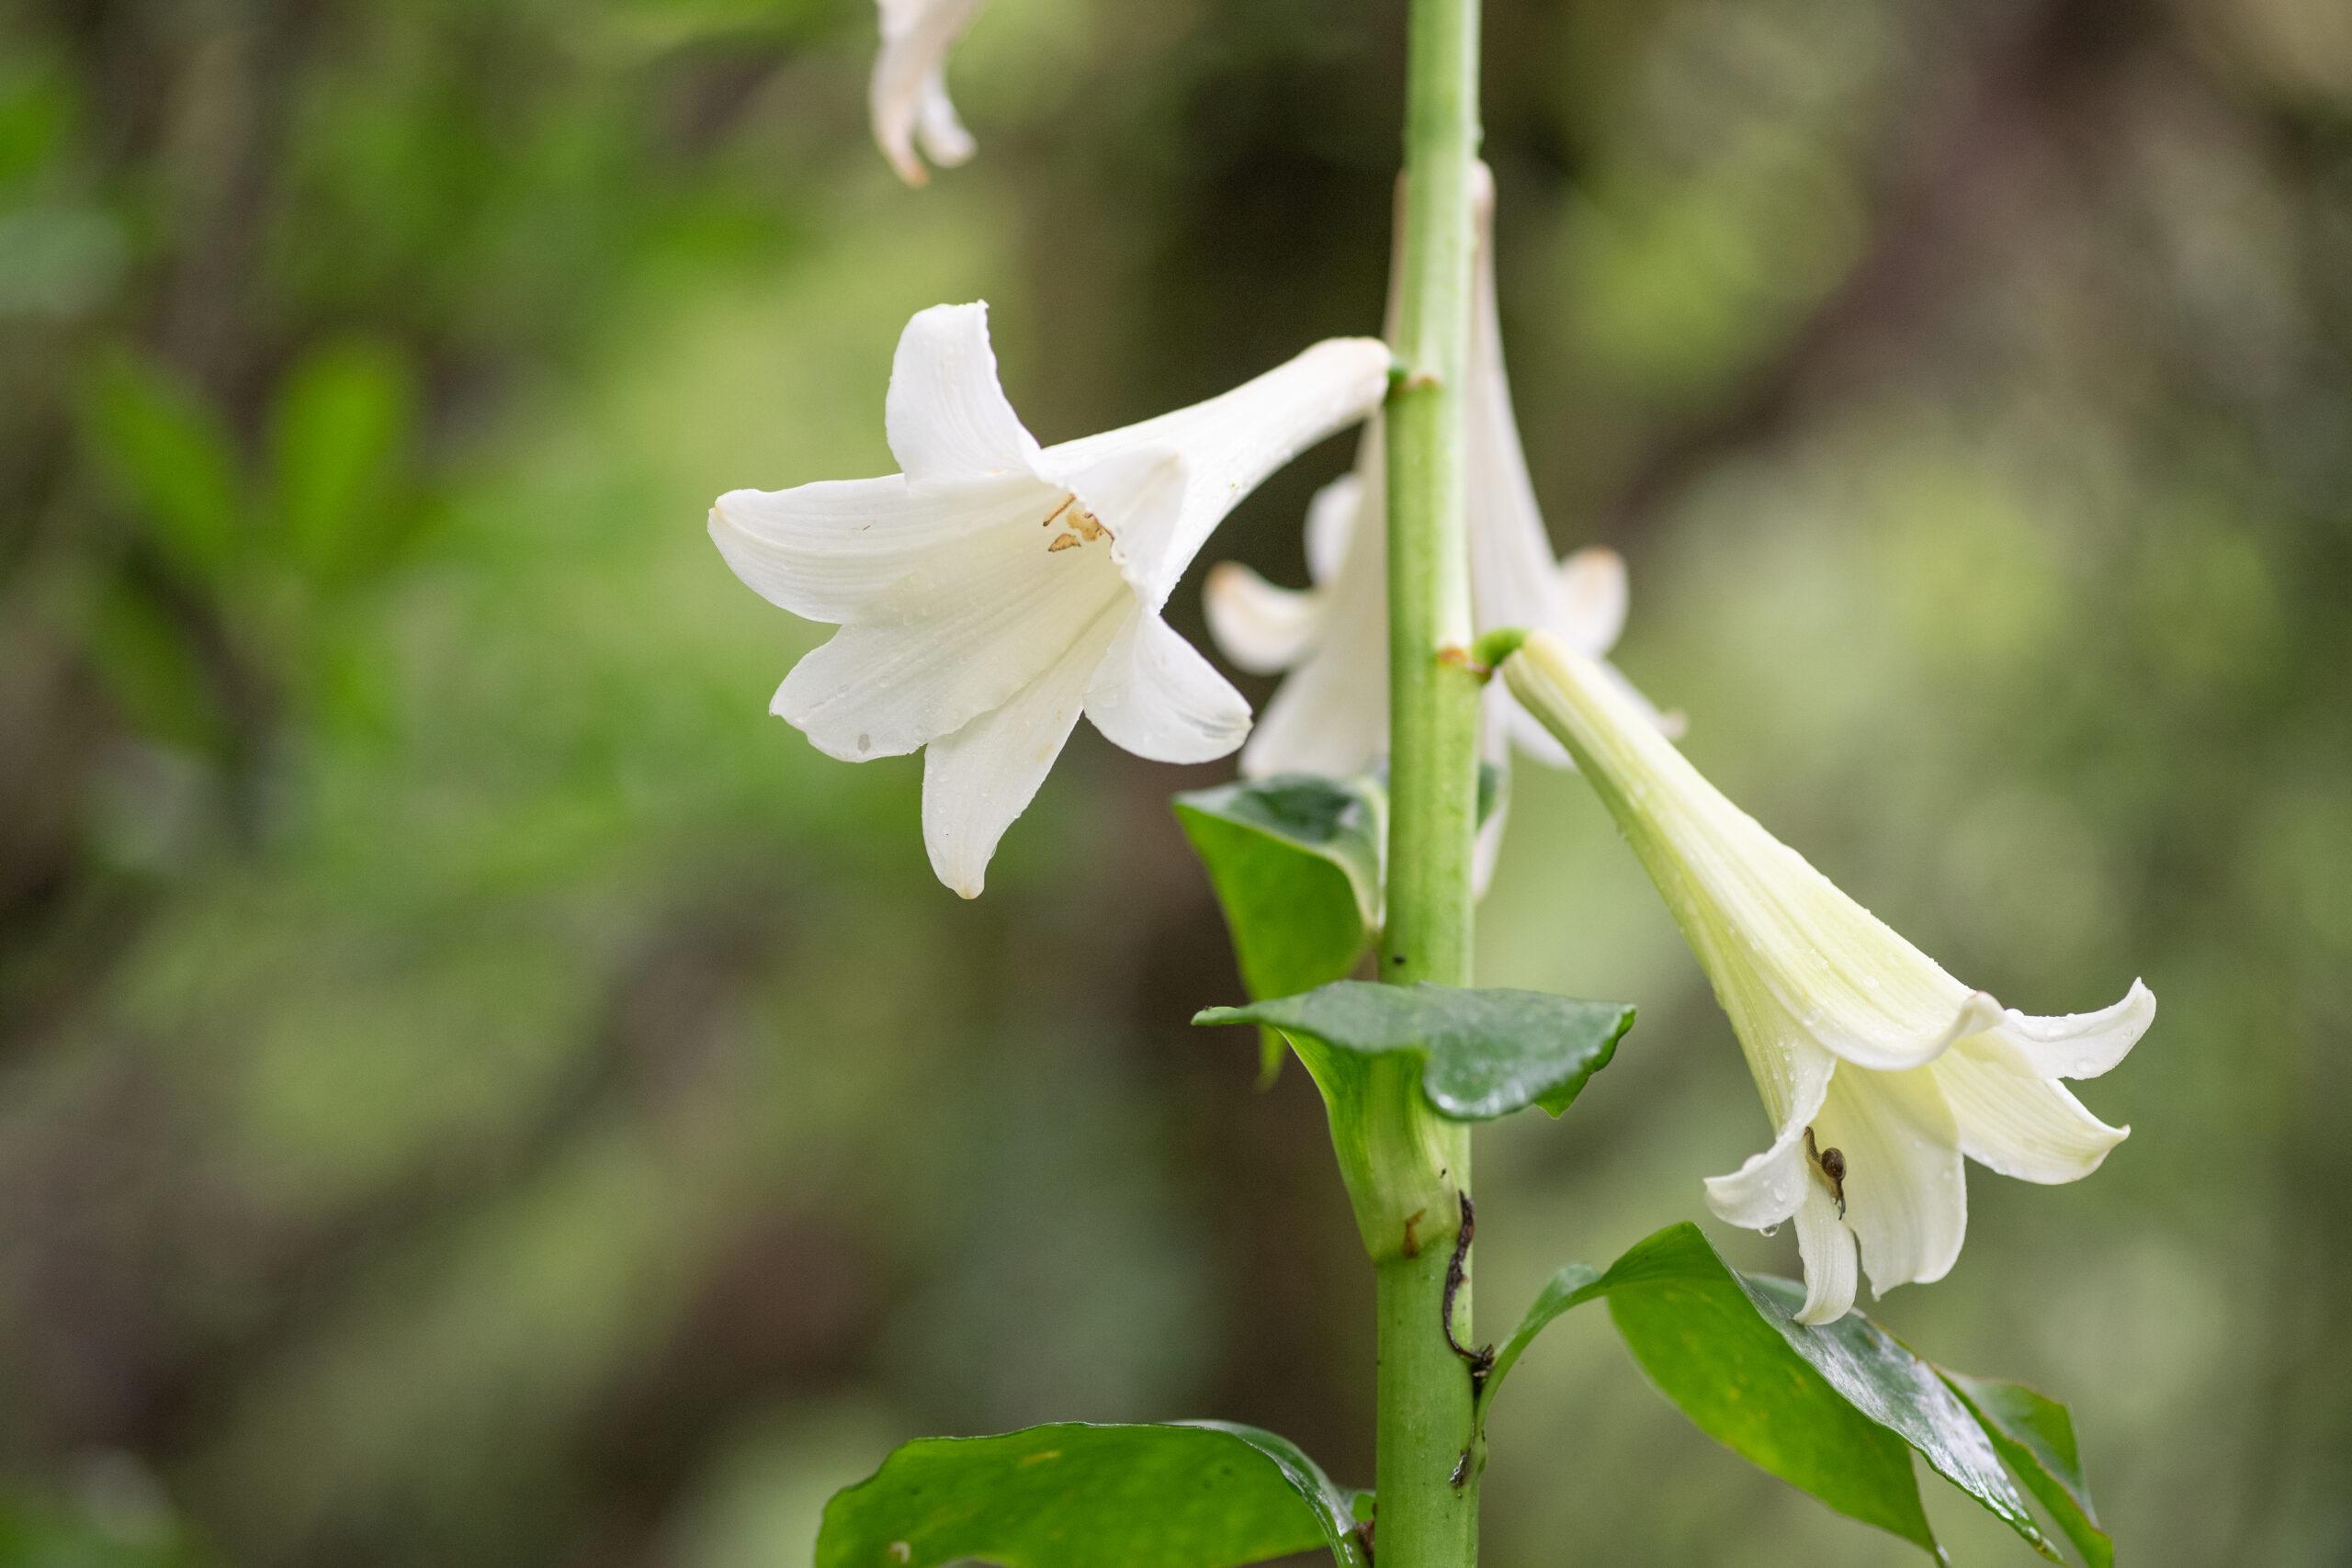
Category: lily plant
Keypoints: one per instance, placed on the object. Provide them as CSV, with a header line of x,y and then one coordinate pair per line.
x,y
996,589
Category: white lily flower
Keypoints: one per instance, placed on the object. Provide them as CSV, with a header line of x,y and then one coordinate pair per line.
x,y
1330,715
907,97
996,589
1879,1070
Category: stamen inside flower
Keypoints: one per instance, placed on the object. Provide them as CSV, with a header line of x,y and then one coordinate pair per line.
x,y
1084,529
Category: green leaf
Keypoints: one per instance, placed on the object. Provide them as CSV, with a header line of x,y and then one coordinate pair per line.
x,y
2036,1437
1486,1053
1292,846
1829,1409
341,426
170,455
1075,1496
1712,1347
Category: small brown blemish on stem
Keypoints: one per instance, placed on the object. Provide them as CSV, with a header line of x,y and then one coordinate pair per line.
x,y
1412,1233
1460,658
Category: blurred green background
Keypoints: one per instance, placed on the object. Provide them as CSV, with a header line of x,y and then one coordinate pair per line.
x,y
473,1090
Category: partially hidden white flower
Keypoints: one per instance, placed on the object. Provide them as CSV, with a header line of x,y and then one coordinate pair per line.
x,y
1879,1070
1330,715
907,96
996,589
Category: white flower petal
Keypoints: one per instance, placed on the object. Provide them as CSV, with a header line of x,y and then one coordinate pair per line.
x,y
1138,493
907,92
826,551
1230,443
1155,696
1513,577
1332,518
944,140
946,413
978,622
1326,718
1907,1189
1593,594
1768,1189
2031,1129
1890,1038
1846,979
1260,627
978,780
1330,716
2075,1044
1827,1249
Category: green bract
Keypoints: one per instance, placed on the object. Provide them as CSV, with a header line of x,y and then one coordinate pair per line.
x,y
1402,1067
1076,1495
1486,1053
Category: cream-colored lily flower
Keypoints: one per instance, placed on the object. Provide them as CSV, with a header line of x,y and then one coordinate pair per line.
x,y
1879,1070
1330,715
907,96
996,589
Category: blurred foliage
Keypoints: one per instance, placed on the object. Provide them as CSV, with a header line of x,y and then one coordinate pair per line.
x,y
476,1091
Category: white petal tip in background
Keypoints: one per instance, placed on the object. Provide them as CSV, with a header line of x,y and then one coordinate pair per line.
x,y
908,95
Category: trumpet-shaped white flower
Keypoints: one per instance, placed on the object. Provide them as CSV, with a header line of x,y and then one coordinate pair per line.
x,y
996,589
1879,1070
1331,714
907,96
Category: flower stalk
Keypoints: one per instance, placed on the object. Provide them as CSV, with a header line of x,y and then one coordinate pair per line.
x,y
1429,1497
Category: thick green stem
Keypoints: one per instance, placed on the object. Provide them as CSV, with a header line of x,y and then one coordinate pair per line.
x,y
1433,696
1429,1497
1424,1519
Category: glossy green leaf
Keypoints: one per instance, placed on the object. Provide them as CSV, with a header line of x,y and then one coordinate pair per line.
x,y
1713,1347
2035,1436
1830,1409
1074,1496
1486,1053
1295,863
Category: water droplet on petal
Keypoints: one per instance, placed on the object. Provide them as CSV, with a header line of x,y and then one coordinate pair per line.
x,y
1770,1230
